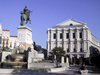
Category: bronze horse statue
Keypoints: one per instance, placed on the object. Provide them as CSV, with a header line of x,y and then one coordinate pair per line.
x,y
25,17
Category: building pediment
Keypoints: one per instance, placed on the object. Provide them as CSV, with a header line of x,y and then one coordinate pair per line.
x,y
71,22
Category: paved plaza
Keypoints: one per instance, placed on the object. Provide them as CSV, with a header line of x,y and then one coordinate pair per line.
x,y
73,70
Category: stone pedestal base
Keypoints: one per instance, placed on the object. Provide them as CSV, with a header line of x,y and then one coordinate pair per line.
x,y
26,45
25,36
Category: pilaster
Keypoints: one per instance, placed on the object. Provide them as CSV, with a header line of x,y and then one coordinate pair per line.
x,y
77,46
70,34
71,50
77,34
84,34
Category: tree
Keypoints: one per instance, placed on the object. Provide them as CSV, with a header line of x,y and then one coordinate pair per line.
x,y
59,52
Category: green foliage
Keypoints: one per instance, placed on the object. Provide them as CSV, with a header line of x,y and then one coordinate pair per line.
x,y
87,61
5,49
80,60
59,52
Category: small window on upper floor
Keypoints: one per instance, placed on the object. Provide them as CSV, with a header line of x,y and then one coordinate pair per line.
x,y
67,35
73,35
71,24
61,35
54,36
80,34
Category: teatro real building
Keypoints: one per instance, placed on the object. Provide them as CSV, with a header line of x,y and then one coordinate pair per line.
x,y
74,37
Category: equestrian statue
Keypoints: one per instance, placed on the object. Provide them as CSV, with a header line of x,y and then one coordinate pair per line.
x,y
25,16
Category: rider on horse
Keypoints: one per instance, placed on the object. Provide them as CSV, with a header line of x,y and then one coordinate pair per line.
x,y
26,12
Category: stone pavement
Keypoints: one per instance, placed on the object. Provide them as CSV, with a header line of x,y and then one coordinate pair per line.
x,y
73,70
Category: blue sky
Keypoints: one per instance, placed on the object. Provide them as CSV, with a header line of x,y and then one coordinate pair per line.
x,y
48,13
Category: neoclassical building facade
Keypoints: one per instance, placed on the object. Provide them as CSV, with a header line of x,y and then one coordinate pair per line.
x,y
74,37
6,40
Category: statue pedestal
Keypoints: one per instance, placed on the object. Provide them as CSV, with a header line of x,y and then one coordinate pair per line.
x,y
25,36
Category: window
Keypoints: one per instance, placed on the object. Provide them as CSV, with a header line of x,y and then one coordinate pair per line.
x,y
67,49
71,24
80,49
67,35
73,35
80,34
74,50
61,35
54,36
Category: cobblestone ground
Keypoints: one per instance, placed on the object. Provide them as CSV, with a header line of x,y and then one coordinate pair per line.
x,y
73,70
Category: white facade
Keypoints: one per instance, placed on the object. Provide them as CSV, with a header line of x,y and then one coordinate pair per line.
x,y
6,40
74,37
13,41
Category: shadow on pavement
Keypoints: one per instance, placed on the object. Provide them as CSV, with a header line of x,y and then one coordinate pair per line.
x,y
33,71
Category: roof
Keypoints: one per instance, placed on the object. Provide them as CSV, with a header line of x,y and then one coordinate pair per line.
x,y
70,23
5,30
13,36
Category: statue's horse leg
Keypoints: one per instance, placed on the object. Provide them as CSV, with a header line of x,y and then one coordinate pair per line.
x,y
22,20
26,21
29,19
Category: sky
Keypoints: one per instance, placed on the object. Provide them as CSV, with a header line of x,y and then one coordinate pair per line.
x,y
48,13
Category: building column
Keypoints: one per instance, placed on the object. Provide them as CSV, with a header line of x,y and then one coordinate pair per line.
x,y
70,48
57,37
65,46
71,57
84,46
48,47
51,35
77,46
48,41
63,38
64,35
77,34
70,34
84,34
48,35
88,35
88,45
